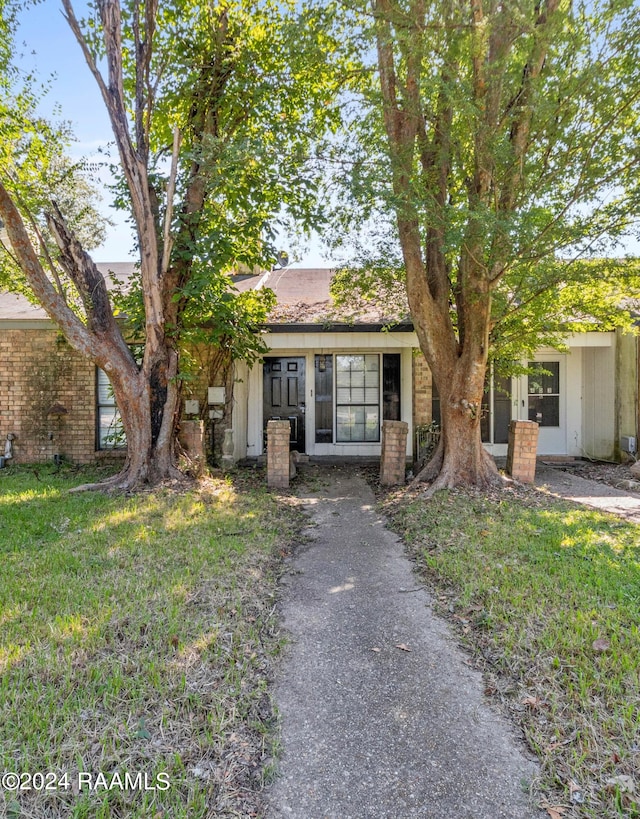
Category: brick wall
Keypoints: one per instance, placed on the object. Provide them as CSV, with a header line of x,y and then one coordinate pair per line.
x,y
422,390
209,367
39,372
521,453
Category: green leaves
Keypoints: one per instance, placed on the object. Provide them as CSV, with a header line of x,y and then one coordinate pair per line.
x,y
522,167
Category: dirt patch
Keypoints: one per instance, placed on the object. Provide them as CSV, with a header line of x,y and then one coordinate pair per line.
x,y
617,475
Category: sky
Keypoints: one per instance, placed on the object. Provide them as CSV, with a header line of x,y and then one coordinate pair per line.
x,y
46,45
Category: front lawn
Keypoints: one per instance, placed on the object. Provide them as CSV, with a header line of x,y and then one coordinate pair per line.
x,y
136,638
547,597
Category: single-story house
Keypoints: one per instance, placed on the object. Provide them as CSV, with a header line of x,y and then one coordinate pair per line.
x,y
335,376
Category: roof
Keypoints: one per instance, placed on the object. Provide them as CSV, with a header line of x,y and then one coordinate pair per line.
x,y
18,308
303,299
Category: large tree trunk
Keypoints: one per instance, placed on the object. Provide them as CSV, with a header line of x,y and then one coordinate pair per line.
x,y
464,461
460,458
449,285
148,408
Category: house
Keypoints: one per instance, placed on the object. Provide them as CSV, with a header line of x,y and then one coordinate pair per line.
x,y
334,375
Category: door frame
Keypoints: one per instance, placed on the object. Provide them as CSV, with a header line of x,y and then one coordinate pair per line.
x,y
301,375
551,440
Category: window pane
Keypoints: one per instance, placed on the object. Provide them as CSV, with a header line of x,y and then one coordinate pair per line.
x,y
344,423
358,398
371,378
545,409
110,429
547,383
502,410
324,399
105,391
544,394
391,386
372,424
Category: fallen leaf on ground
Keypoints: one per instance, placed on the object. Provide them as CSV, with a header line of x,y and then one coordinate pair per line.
x,y
555,811
403,647
534,702
601,644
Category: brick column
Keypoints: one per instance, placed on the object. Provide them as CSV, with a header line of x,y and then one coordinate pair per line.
x,y
394,452
278,434
191,437
521,454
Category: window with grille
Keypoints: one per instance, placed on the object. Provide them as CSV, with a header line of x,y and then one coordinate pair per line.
x,y
357,398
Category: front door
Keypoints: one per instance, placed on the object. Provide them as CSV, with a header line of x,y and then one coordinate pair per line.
x,y
543,399
284,396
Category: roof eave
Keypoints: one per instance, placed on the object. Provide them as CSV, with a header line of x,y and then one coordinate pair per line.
x,y
339,327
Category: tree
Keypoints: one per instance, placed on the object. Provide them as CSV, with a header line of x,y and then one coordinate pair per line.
x,y
507,152
212,107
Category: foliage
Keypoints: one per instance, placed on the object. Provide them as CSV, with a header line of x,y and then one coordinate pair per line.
x,y
253,159
34,158
523,161
213,109
254,155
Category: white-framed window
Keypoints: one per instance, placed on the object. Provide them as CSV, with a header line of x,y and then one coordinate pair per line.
x,y
109,430
544,393
357,398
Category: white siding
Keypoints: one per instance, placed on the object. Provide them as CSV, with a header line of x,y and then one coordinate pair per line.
x,y
598,406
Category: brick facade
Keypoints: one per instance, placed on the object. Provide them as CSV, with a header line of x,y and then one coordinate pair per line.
x,y
422,389
41,376
48,396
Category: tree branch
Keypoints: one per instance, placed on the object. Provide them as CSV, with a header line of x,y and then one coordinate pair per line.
x,y
53,302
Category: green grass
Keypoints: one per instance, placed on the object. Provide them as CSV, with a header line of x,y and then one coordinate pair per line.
x,y
532,585
137,635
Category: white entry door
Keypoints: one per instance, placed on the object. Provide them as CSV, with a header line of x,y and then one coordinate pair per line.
x,y
543,399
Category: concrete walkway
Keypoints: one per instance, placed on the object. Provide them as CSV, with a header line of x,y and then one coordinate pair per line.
x,y
602,496
370,730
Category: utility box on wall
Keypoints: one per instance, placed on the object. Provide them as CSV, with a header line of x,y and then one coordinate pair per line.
x,y
217,395
628,444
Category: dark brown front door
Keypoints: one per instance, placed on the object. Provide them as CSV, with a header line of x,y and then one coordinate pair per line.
x,y
284,396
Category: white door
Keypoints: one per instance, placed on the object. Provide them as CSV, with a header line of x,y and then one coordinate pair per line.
x,y
542,398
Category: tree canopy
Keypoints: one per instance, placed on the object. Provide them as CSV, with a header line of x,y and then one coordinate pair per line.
x,y
213,108
502,138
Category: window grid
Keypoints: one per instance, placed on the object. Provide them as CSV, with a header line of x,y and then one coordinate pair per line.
x,y
358,398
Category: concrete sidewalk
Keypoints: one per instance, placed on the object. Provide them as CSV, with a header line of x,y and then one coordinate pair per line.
x,y
370,730
563,484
